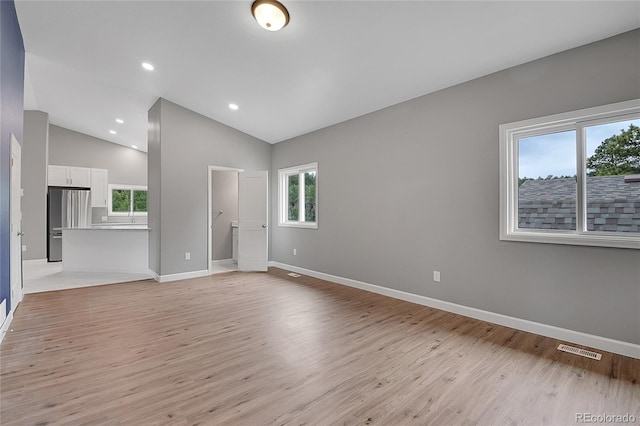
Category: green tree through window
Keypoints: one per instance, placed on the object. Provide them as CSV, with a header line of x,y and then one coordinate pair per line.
x,y
310,196
139,201
121,200
298,196
294,191
128,200
617,155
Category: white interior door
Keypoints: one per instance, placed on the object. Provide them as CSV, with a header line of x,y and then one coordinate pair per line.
x,y
16,224
252,221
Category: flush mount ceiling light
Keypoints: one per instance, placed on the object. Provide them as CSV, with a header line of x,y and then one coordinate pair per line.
x,y
270,14
147,66
113,132
233,107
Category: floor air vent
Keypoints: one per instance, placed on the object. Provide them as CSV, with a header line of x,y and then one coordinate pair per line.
x,y
581,352
294,275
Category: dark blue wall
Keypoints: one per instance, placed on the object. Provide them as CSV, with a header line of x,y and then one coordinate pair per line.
x,y
11,118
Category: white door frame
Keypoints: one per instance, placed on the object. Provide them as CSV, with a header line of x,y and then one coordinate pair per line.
x,y
16,226
210,171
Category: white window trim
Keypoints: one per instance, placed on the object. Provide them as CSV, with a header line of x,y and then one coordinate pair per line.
x,y
283,195
113,186
576,120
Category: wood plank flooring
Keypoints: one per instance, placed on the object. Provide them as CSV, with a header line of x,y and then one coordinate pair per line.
x,y
268,349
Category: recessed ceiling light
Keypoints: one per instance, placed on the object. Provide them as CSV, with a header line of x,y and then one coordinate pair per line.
x,y
113,132
134,146
233,107
119,121
147,66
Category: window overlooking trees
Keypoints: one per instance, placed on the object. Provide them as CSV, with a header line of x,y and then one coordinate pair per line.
x,y
612,194
573,178
298,196
127,200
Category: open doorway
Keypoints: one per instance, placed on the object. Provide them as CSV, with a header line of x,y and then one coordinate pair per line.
x,y
223,219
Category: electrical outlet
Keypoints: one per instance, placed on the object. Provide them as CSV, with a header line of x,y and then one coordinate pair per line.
x,y
187,256
295,252
436,276
24,248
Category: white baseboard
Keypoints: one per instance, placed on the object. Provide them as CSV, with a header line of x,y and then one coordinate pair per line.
x,y
106,270
5,321
610,345
180,276
222,262
35,262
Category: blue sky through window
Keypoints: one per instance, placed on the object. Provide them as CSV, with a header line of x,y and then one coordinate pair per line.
x,y
555,153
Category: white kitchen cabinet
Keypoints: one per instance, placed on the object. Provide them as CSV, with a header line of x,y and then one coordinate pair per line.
x,y
79,177
99,187
58,176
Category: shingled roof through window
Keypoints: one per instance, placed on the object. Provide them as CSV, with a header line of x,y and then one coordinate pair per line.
x,y
613,204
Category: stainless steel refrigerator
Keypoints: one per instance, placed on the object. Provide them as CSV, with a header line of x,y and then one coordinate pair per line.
x,y
66,208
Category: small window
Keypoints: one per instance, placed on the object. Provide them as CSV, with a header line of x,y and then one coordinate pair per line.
x,y
573,178
127,200
299,196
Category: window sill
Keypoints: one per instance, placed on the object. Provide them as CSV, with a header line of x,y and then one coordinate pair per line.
x,y
119,214
591,239
308,225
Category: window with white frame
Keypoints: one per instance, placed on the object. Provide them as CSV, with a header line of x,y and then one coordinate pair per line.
x,y
298,196
573,178
127,200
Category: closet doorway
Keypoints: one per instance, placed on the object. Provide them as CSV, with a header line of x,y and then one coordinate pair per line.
x,y
223,218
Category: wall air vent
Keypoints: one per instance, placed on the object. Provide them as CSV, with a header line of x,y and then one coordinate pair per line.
x,y
581,352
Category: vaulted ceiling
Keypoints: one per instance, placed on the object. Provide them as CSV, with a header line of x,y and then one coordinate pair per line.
x,y
334,61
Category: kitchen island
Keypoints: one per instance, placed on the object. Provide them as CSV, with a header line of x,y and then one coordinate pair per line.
x,y
106,248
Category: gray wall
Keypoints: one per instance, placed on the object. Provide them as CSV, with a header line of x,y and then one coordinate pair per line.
x,y
34,183
224,197
187,143
153,187
68,148
415,188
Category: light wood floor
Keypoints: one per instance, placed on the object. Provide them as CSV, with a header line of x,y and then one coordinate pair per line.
x,y
261,349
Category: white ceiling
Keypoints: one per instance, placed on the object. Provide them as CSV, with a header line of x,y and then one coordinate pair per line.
x,y
335,60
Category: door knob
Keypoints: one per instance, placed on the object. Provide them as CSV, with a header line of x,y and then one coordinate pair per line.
x,y
264,226
20,234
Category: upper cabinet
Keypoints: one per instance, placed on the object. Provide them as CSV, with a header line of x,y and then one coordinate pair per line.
x,y
99,185
58,176
79,177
